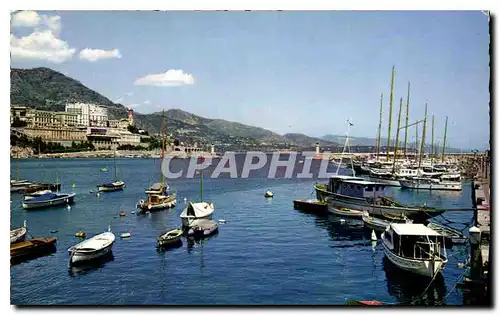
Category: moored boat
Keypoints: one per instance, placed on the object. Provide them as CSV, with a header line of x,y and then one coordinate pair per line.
x,y
344,212
362,195
108,187
430,184
49,200
454,236
195,211
92,248
36,187
202,228
19,234
169,237
36,194
415,248
18,185
32,247
311,205
158,198
379,224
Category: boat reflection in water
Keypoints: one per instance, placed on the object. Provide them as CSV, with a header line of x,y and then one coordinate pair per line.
x,y
91,265
409,288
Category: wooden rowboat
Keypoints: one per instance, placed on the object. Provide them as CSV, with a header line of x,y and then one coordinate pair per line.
x,y
33,247
169,237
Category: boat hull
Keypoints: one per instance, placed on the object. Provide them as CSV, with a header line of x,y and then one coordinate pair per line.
x,y
426,268
170,241
375,224
110,188
344,212
31,248
18,235
79,257
388,182
310,205
187,221
168,203
63,200
359,204
438,186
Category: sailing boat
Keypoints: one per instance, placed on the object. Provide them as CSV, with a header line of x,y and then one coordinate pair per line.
x,y
158,196
113,186
197,210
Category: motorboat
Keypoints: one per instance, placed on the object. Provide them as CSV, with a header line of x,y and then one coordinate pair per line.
x,y
92,248
362,195
108,187
37,194
430,184
158,198
415,248
19,234
49,200
195,211
344,212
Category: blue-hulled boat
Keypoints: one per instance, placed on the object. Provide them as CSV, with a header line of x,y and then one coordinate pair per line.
x,y
49,200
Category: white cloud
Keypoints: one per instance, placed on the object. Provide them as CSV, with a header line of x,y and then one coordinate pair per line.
x,y
169,78
146,102
99,54
40,45
33,19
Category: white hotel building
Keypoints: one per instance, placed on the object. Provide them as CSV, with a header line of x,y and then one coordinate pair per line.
x,y
89,114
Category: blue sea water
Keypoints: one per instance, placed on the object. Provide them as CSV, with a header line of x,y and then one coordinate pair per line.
x,y
266,253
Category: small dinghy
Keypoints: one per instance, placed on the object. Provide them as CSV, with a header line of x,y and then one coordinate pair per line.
x,y
268,194
451,235
19,234
378,224
344,212
202,228
169,237
125,235
93,248
48,200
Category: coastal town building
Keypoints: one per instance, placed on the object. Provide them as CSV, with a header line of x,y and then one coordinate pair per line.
x,y
18,112
89,114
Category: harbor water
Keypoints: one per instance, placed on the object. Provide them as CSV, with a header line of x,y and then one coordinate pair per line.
x,y
265,253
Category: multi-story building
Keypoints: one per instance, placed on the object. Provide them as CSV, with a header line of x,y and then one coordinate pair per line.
x,y
120,124
19,112
40,118
67,119
89,114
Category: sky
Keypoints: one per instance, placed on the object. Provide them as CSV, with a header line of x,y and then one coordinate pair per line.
x,y
304,72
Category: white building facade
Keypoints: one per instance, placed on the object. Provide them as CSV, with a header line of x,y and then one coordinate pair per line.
x,y
89,114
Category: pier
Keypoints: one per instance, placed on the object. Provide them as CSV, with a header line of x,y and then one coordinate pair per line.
x,y
477,287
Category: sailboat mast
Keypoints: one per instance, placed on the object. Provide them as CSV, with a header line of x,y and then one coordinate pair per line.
x,y
416,142
380,124
163,131
407,113
114,161
390,114
422,143
201,185
444,140
432,138
397,134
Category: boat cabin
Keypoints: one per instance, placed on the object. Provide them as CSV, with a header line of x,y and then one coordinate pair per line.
x,y
414,241
356,187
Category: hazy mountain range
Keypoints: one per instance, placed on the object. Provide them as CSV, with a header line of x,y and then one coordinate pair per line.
x,y
46,89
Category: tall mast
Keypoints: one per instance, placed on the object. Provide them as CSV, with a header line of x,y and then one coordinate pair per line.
x,y
416,142
163,130
397,134
390,114
444,140
407,113
114,161
422,143
379,124
201,185
432,137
